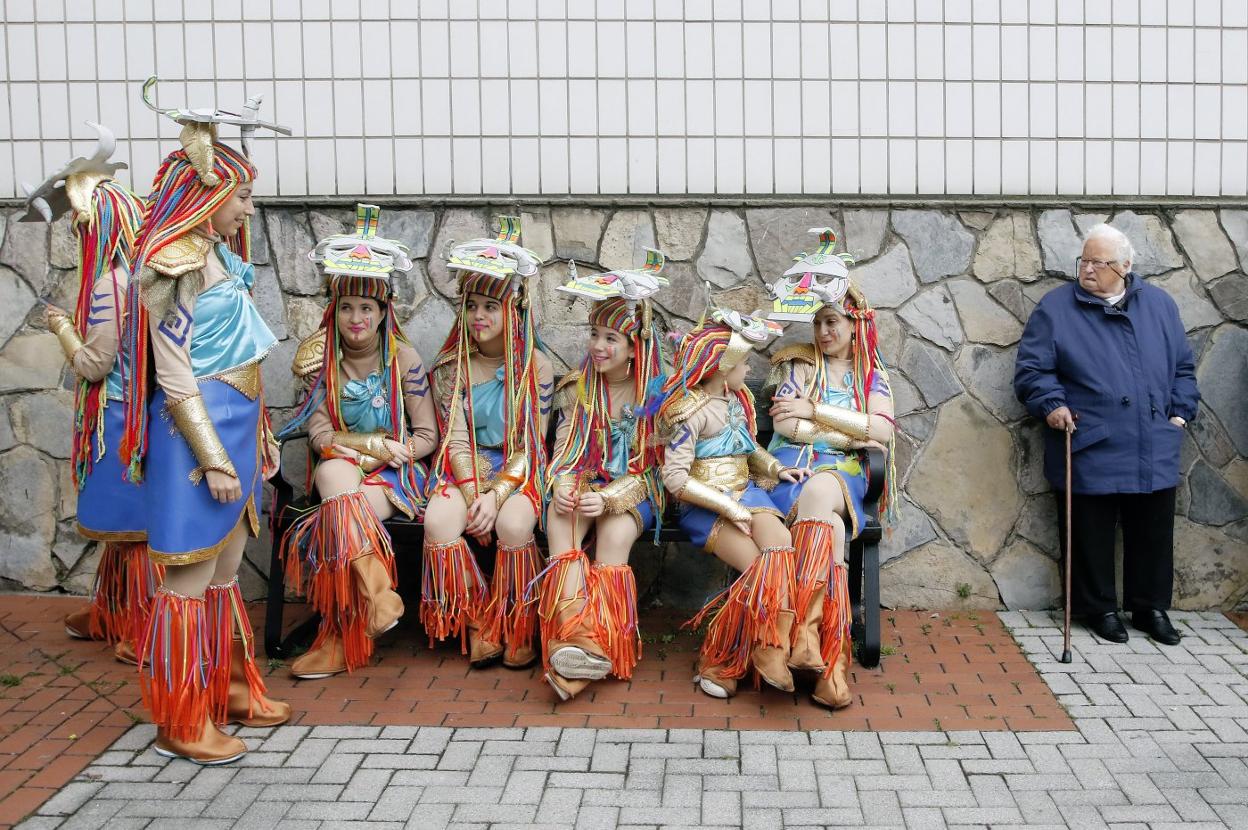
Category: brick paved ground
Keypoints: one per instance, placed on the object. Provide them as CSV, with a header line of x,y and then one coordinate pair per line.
x,y
1160,741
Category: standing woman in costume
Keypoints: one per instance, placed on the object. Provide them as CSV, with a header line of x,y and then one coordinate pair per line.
x,y
357,416
604,478
712,465
831,401
105,220
199,438
494,387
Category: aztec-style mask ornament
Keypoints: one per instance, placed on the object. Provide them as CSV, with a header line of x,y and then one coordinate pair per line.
x,y
199,129
72,185
815,280
748,331
630,286
501,258
363,253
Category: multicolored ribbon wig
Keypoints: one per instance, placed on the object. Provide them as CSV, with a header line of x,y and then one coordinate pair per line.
x,y
179,203
698,357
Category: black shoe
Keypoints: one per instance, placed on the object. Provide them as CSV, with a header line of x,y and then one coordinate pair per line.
x,y
1156,624
1108,626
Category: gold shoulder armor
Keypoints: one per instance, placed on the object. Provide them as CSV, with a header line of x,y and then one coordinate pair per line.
x,y
187,253
684,408
310,356
804,352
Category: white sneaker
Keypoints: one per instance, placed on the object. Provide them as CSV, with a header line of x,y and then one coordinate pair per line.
x,y
578,664
710,687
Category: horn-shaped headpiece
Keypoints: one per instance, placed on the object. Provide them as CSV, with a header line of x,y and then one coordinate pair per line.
x,y
71,186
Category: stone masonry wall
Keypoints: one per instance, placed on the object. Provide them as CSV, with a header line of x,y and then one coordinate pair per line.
x,y
952,288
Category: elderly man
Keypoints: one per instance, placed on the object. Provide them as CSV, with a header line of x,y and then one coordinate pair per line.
x,y
1106,359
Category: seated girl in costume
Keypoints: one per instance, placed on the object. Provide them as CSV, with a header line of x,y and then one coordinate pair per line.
x,y
494,387
831,401
106,217
604,479
370,419
711,465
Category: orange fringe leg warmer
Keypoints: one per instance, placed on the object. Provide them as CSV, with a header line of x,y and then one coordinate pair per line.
x,y
227,616
174,656
834,632
342,528
453,591
125,582
509,618
745,613
563,617
613,594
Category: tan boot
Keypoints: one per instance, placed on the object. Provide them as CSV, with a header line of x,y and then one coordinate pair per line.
x,y
78,624
771,662
326,658
125,652
482,653
520,657
213,746
712,683
806,655
564,687
240,706
832,689
385,607
578,659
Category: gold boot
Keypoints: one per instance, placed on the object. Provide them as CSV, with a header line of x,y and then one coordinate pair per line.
x,y
564,687
326,658
385,607
124,652
832,689
771,662
482,653
242,705
211,748
806,655
78,624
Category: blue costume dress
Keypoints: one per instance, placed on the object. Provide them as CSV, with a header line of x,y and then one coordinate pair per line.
x,y
846,465
227,341
734,441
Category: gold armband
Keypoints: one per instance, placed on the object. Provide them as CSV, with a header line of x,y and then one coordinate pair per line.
x,y
365,443
699,494
510,477
623,494
191,418
764,465
809,432
464,469
569,480
847,421
66,334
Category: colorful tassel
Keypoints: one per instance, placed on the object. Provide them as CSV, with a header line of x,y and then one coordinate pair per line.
x,y
126,579
813,540
613,590
745,613
834,631
227,617
561,616
340,529
453,591
174,655
509,618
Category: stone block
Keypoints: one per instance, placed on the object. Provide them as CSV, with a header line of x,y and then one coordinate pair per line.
x,y
27,518
290,240
1205,244
932,316
928,369
458,225
577,232
911,529
16,302
1010,294
1209,568
1194,308
1214,502
1060,245
260,253
537,233
1223,377
266,293
63,243
680,231
25,250
1230,295
1037,523
428,326
303,316
1008,250
1026,578
982,319
934,576
779,234
939,245
864,232
988,374
1154,245
414,228
43,421
725,261
888,281
624,243
967,480
1211,438
1235,223
686,296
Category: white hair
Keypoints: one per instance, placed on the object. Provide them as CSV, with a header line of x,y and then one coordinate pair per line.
x,y
1125,251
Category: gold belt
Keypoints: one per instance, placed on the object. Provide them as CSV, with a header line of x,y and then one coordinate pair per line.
x,y
729,473
245,379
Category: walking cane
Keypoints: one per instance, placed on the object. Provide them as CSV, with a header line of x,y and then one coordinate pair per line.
x,y
1066,620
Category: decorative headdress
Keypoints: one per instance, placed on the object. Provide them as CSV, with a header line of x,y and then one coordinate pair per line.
x,y
499,268
620,297
747,332
359,264
815,280
106,220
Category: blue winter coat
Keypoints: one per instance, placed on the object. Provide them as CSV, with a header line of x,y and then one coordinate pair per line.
x,y
1124,373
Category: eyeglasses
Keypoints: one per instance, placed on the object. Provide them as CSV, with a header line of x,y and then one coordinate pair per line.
x,y
1097,264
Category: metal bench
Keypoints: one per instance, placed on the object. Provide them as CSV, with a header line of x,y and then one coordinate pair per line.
x,y
863,558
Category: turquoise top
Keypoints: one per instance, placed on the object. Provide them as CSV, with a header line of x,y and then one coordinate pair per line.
x,y
836,397
623,431
366,403
488,414
733,439
228,331
112,383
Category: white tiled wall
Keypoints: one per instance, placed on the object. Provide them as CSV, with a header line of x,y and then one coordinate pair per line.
x,y
1127,97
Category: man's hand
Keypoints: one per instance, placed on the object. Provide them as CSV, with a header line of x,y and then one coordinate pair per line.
x,y
1061,418
1177,421
224,487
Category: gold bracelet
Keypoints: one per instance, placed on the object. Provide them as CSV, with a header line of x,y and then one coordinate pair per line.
x,y
510,477
809,432
190,415
365,443
66,335
464,469
764,465
622,494
848,421
700,494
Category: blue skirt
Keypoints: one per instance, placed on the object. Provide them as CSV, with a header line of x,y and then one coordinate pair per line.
x,y
111,509
699,524
644,512
185,523
847,469
405,487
